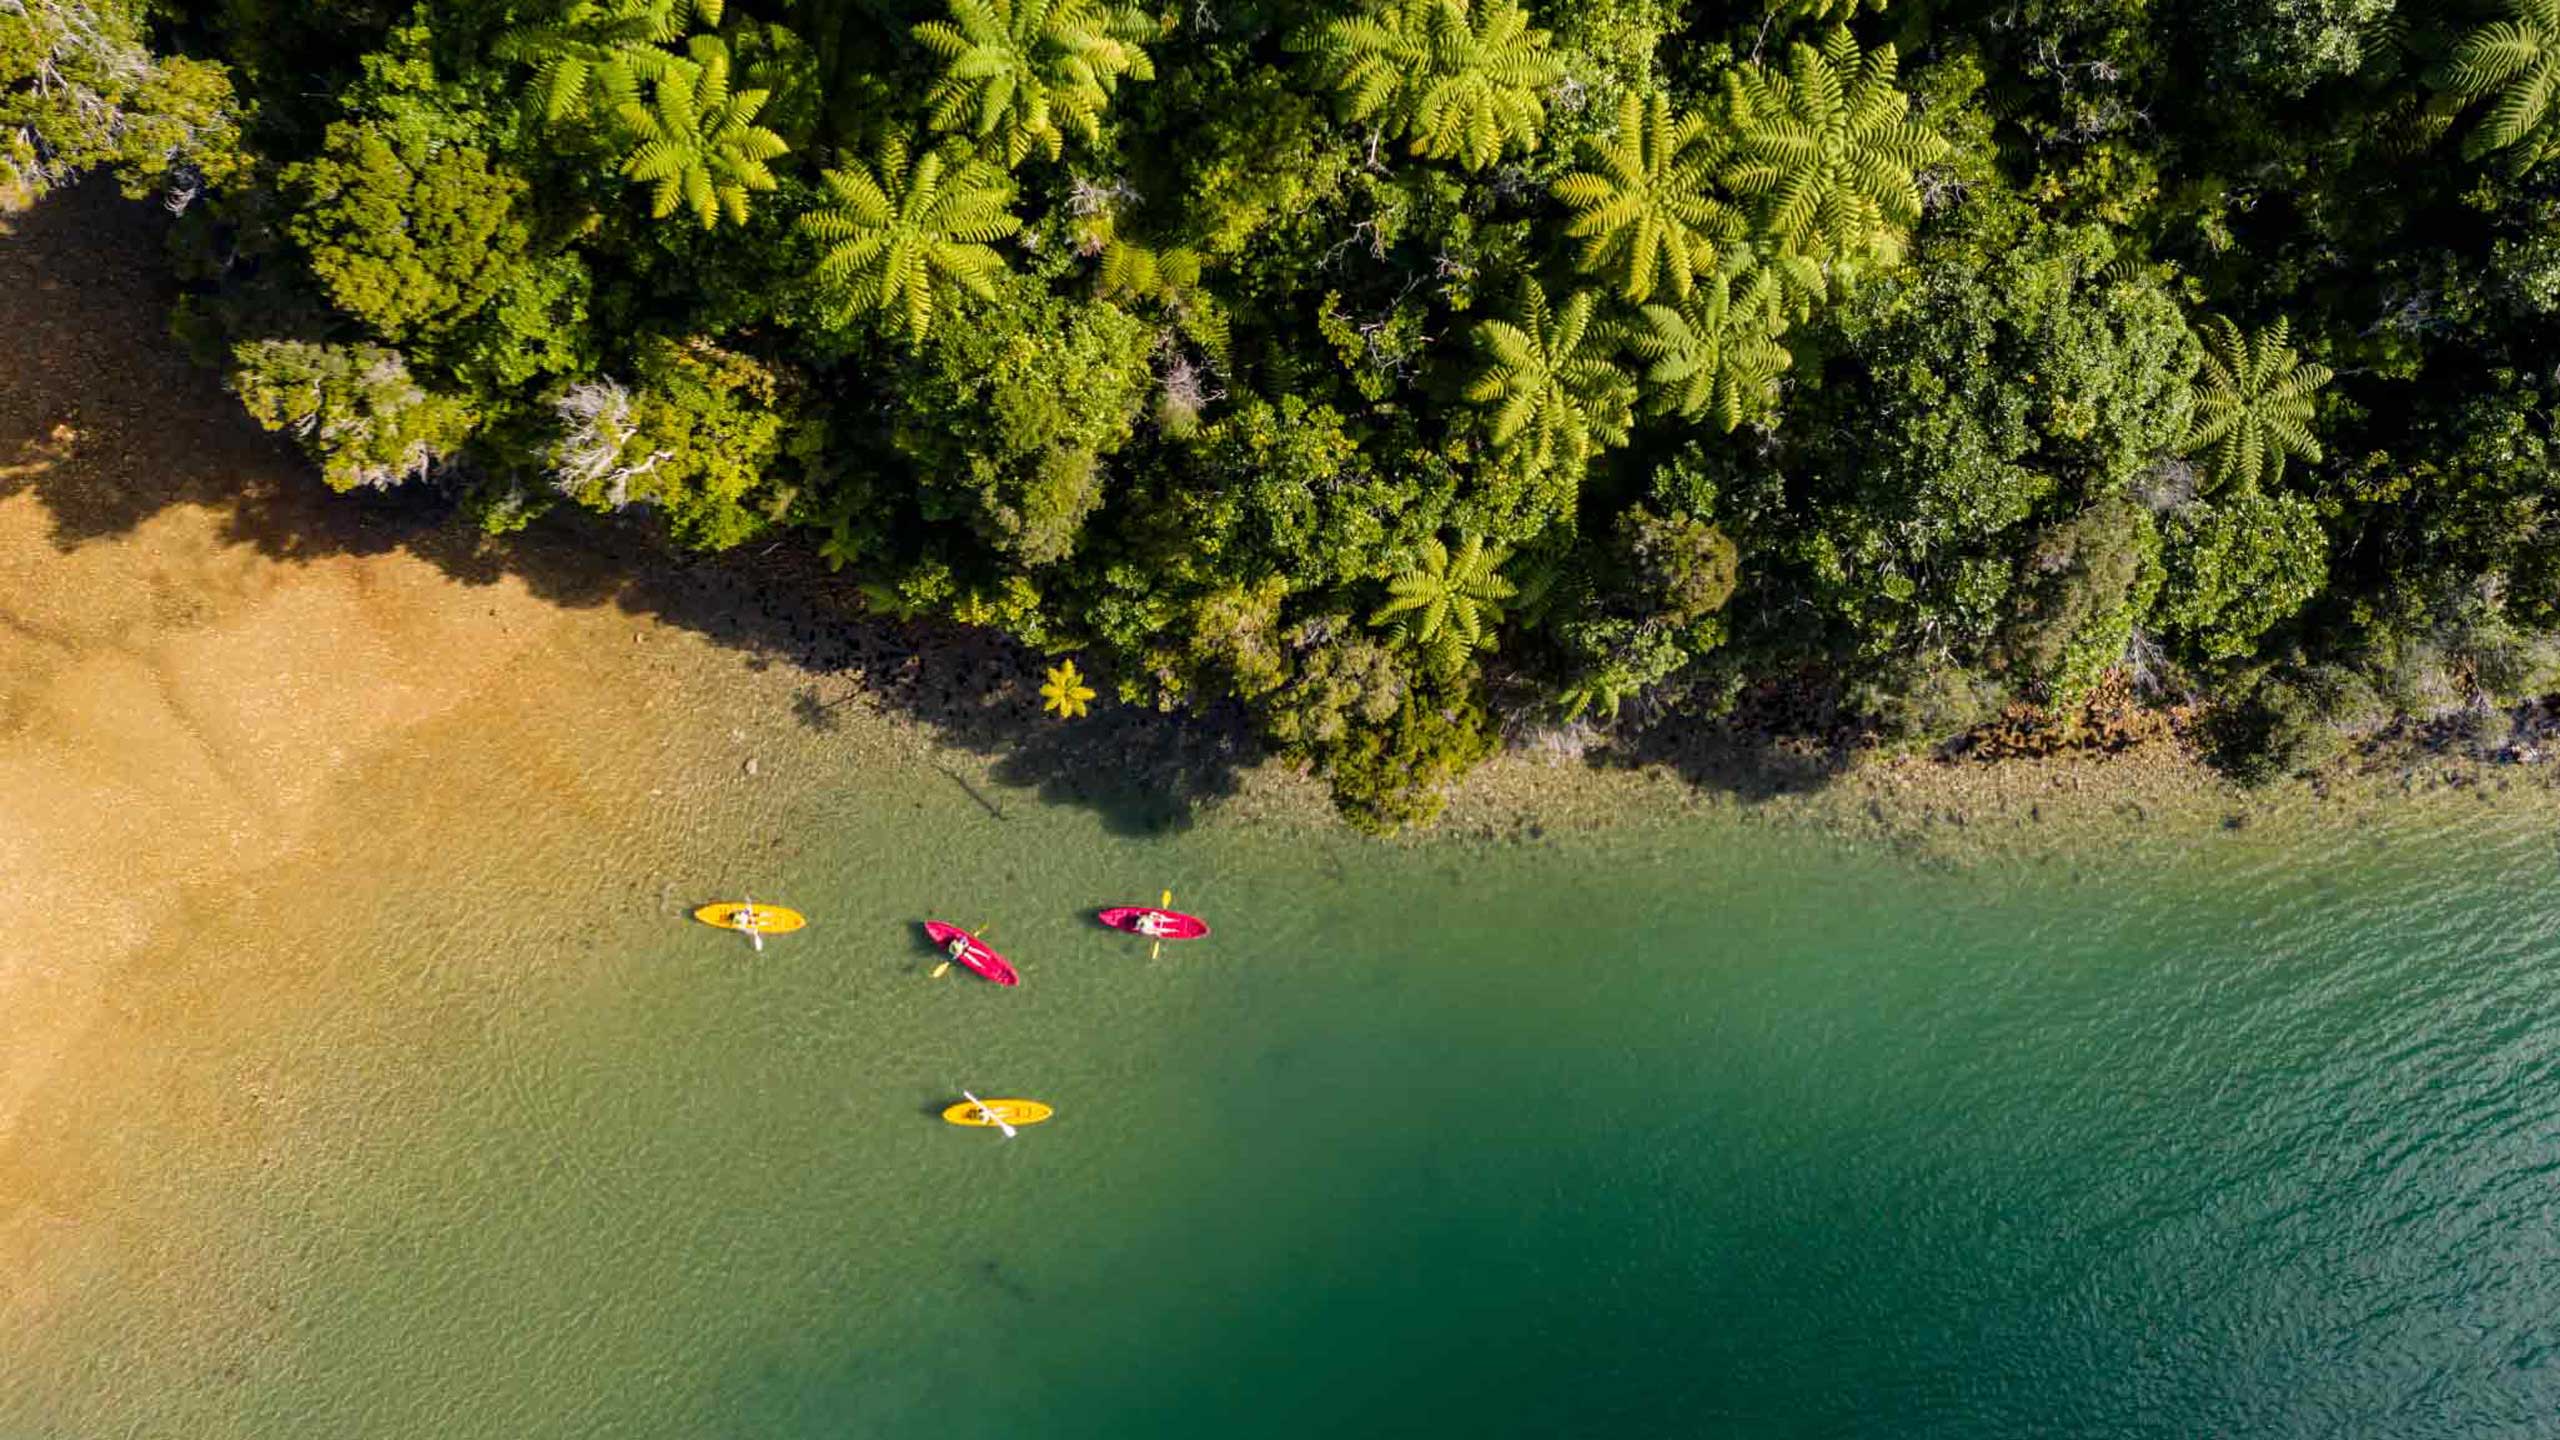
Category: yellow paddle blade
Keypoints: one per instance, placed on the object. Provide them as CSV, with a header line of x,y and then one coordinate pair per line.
x,y
942,969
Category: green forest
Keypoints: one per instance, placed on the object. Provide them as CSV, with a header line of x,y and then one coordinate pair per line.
x,y
1414,372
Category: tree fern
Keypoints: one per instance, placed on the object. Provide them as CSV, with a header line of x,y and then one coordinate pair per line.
x,y
1021,71
2252,404
1447,605
1169,276
1827,149
2518,61
1457,79
1645,213
1714,353
1556,393
901,236
595,55
1773,287
1820,12
696,144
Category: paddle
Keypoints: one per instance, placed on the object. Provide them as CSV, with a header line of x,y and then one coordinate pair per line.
x,y
746,919
992,1117
945,967
1164,904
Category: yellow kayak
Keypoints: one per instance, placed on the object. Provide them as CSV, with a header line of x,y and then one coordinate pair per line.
x,y
751,919
1011,1112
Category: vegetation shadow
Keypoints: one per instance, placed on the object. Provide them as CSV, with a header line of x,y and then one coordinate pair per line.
x,y
106,420
1777,740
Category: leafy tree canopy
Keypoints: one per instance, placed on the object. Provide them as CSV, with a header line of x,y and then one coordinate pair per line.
x,y
1555,394
408,234
1623,361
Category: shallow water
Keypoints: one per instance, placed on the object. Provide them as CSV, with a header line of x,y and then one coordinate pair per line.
x,y
365,1077
455,1126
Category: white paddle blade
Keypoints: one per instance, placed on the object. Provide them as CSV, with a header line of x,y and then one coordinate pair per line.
x,y
989,1111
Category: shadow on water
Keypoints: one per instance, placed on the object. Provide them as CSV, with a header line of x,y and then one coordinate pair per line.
x,y
1777,740
107,422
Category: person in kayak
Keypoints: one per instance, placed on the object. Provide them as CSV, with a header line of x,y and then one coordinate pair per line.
x,y
959,947
1154,926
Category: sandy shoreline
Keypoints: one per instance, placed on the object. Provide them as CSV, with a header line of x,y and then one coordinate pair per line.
x,y
179,596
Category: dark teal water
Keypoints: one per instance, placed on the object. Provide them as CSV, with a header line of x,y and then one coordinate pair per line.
x,y
1705,1130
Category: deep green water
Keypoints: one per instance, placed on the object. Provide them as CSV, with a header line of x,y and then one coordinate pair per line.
x,y
1700,1130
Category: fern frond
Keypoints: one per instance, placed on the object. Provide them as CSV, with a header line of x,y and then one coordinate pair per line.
x,y
904,231
1456,79
2252,404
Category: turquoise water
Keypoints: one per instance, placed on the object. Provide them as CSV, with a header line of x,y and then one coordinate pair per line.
x,y
1708,1129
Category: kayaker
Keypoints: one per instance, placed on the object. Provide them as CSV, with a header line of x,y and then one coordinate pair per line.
x,y
959,947
1154,926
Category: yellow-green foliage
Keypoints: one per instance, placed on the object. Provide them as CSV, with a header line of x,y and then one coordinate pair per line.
x,y
2515,64
79,90
1461,80
1646,212
2252,404
408,232
1008,418
701,435
903,235
694,142
355,409
1195,337
1020,73
1555,394
1828,150
1447,604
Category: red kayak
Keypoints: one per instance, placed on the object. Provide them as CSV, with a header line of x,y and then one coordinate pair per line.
x,y
1164,924
973,952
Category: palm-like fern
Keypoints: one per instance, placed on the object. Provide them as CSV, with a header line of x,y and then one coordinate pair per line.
x,y
1020,70
1169,276
1828,148
1645,212
1714,353
1554,388
900,236
2518,60
2252,404
696,144
1458,79
1447,605
594,55
1816,12
1773,287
